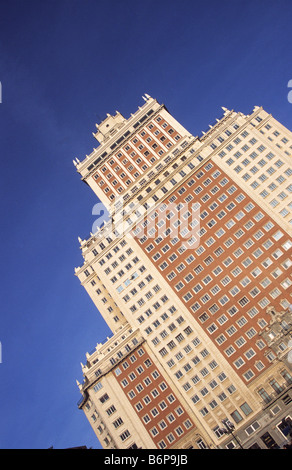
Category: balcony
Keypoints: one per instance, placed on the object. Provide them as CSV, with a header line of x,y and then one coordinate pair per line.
x,y
272,397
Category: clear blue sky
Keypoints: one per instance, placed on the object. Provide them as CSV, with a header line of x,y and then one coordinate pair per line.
x,y
64,64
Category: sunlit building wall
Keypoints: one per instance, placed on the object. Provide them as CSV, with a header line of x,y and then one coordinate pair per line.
x,y
193,257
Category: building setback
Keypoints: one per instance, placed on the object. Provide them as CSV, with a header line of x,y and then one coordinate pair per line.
x,y
192,273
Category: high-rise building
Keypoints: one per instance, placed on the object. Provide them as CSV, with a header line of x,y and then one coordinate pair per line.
x,y
192,273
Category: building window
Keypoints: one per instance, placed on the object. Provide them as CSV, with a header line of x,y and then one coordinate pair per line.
x,y
125,435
